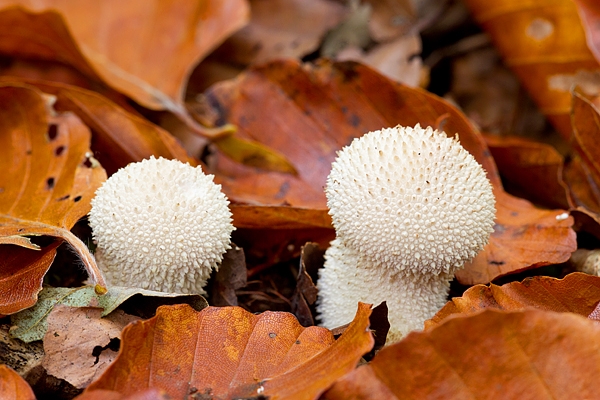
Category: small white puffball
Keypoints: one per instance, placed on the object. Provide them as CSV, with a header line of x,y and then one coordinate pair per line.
x,y
347,279
410,199
160,225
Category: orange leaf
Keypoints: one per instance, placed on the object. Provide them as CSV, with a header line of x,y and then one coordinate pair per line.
x,y
544,43
12,386
48,176
120,137
576,293
100,38
531,354
583,173
228,352
307,113
21,274
150,394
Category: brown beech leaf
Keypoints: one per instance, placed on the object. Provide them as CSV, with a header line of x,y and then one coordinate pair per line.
x,y
12,386
227,352
48,175
576,293
150,394
582,174
589,11
171,37
531,354
73,335
120,137
307,113
532,169
21,274
296,31
544,43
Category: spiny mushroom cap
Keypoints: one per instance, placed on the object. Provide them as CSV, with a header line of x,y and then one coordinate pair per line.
x,y
411,199
160,225
346,279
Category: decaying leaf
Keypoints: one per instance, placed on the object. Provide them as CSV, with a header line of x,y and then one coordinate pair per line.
x,y
493,354
77,344
120,137
12,386
576,293
49,176
544,43
582,174
532,169
230,353
98,39
21,274
31,324
307,113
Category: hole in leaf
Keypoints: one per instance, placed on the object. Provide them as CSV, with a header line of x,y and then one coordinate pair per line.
x,y
50,183
114,345
52,131
59,150
65,197
76,199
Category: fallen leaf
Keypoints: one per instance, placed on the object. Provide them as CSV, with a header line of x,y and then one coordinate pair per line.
x,y
21,274
150,394
49,176
576,293
307,113
544,43
532,169
31,324
96,37
305,294
582,174
228,352
230,277
391,19
77,344
531,354
24,358
296,31
120,137
12,386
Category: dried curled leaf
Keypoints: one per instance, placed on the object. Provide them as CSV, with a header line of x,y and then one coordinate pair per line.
x,y
228,352
493,354
577,293
49,176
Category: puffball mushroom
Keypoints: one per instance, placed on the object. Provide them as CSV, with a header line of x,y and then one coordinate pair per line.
x,y
160,225
410,206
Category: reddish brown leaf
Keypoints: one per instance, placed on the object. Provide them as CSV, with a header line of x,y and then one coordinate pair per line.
x,y
308,113
228,352
120,137
531,354
576,293
544,43
532,169
582,174
21,274
150,394
12,386
49,177
97,38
